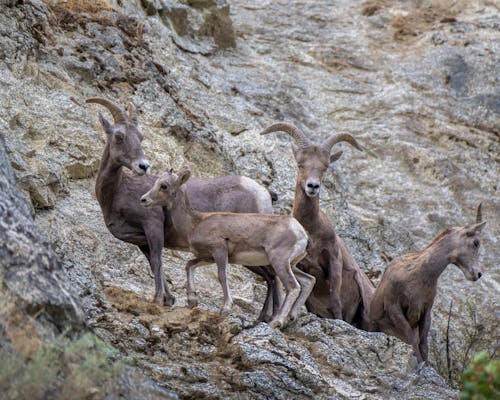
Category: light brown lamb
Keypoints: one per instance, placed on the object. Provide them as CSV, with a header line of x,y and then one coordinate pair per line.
x,y
403,301
247,239
118,192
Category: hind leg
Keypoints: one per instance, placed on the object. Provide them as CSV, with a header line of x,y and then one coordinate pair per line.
x,y
271,295
306,282
292,290
220,258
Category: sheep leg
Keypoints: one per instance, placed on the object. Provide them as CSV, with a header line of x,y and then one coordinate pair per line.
x,y
192,298
220,258
145,250
425,325
270,295
155,239
335,285
404,330
306,282
292,290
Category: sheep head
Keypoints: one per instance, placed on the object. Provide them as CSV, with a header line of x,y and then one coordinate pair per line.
x,y
123,137
166,189
312,159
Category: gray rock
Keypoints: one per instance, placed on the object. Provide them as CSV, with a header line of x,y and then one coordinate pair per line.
x,y
426,103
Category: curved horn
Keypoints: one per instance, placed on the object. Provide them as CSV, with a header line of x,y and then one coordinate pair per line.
x,y
479,217
340,137
132,114
300,139
115,111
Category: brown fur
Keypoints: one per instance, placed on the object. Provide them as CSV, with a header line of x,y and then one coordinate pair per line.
x,y
342,290
118,193
249,239
403,301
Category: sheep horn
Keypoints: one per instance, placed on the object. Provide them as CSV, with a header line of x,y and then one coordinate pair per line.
x,y
115,111
300,139
132,114
340,137
345,137
479,217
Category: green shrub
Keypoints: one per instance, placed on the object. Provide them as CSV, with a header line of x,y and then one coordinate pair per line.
x,y
60,369
481,378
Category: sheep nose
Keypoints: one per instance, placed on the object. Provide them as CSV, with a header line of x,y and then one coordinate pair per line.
x,y
144,165
314,186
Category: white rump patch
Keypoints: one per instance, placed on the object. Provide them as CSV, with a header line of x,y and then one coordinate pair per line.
x,y
302,238
260,193
250,258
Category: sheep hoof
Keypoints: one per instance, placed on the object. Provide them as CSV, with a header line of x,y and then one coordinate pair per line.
x,y
224,312
275,324
192,302
169,301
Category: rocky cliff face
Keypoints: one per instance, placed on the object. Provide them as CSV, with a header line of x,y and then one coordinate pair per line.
x,y
415,84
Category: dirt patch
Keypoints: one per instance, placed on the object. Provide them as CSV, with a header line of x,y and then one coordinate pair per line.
x,y
151,314
416,19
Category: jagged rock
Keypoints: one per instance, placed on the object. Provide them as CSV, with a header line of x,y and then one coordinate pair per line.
x,y
200,26
29,271
420,93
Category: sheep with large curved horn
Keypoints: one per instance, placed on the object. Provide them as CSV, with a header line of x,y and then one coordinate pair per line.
x,y
117,113
300,139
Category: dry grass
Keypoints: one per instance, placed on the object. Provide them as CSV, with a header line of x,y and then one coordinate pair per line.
x,y
81,6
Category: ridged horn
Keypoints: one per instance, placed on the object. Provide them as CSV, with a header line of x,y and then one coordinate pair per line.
x,y
300,139
118,115
340,137
132,114
479,216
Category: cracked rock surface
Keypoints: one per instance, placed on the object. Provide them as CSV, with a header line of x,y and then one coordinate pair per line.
x,y
415,83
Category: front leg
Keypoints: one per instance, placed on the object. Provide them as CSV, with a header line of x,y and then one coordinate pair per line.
x,y
168,298
403,330
335,284
154,236
192,298
425,325
220,257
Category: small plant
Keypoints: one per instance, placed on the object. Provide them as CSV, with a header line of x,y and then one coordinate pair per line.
x,y
481,378
60,369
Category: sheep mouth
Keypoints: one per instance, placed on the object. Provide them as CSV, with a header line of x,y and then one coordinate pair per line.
x,y
311,192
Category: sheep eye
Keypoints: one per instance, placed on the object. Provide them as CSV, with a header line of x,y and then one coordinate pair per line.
x,y
476,243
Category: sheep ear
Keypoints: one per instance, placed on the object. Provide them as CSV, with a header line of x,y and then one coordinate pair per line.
x,y
108,128
183,175
472,230
335,156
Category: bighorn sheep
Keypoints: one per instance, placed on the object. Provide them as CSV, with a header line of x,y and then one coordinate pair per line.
x,y
402,303
248,239
118,193
342,290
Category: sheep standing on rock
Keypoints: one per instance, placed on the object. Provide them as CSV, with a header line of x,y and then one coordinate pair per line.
x,y
342,290
247,239
403,301
118,193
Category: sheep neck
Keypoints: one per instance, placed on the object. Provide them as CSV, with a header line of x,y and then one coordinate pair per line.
x,y
305,208
184,218
434,259
108,179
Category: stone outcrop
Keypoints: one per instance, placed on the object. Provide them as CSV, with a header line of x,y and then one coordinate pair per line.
x,y
417,85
